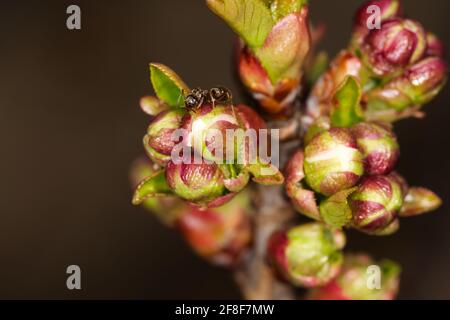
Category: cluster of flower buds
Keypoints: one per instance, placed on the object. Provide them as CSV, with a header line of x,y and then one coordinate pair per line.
x,y
202,143
398,63
351,171
219,235
361,279
309,255
275,41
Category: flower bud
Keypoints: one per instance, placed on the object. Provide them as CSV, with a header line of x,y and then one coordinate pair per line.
x,y
419,85
309,255
375,204
159,140
419,201
354,283
399,43
207,130
220,234
202,183
332,162
272,72
388,9
304,200
379,147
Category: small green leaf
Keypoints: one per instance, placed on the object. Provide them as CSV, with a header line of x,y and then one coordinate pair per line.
x,y
347,109
153,186
250,19
168,85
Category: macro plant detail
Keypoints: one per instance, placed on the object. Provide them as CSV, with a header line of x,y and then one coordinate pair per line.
x,y
337,149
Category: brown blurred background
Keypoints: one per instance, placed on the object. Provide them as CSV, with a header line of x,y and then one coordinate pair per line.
x,y
70,126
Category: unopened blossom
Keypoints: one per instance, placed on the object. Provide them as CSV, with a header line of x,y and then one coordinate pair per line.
x,y
308,255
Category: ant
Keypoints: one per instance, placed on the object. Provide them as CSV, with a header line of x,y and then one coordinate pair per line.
x,y
198,96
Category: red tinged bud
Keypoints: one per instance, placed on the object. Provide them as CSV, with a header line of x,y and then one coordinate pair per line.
x,y
332,162
202,183
159,140
353,282
379,147
388,9
375,204
308,255
398,44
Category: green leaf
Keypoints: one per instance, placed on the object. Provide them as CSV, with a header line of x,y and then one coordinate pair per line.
x,y
153,186
347,109
168,85
250,19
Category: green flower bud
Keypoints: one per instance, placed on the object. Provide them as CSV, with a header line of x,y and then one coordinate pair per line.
x,y
332,162
419,201
419,85
159,140
379,147
202,183
375,204
309,255
353,282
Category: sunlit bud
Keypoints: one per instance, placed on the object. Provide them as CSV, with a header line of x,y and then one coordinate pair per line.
x,y
379,147
362,278
375,204
159,140
308,255
395,46
218,234
333,162
419,201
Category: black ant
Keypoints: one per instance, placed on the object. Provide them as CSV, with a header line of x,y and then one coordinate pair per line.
x,y
214,95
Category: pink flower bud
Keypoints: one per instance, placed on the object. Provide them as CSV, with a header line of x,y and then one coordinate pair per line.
x,y
379,147
159,140
333,162
375,204
309,255
352,282
202,184
395,46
